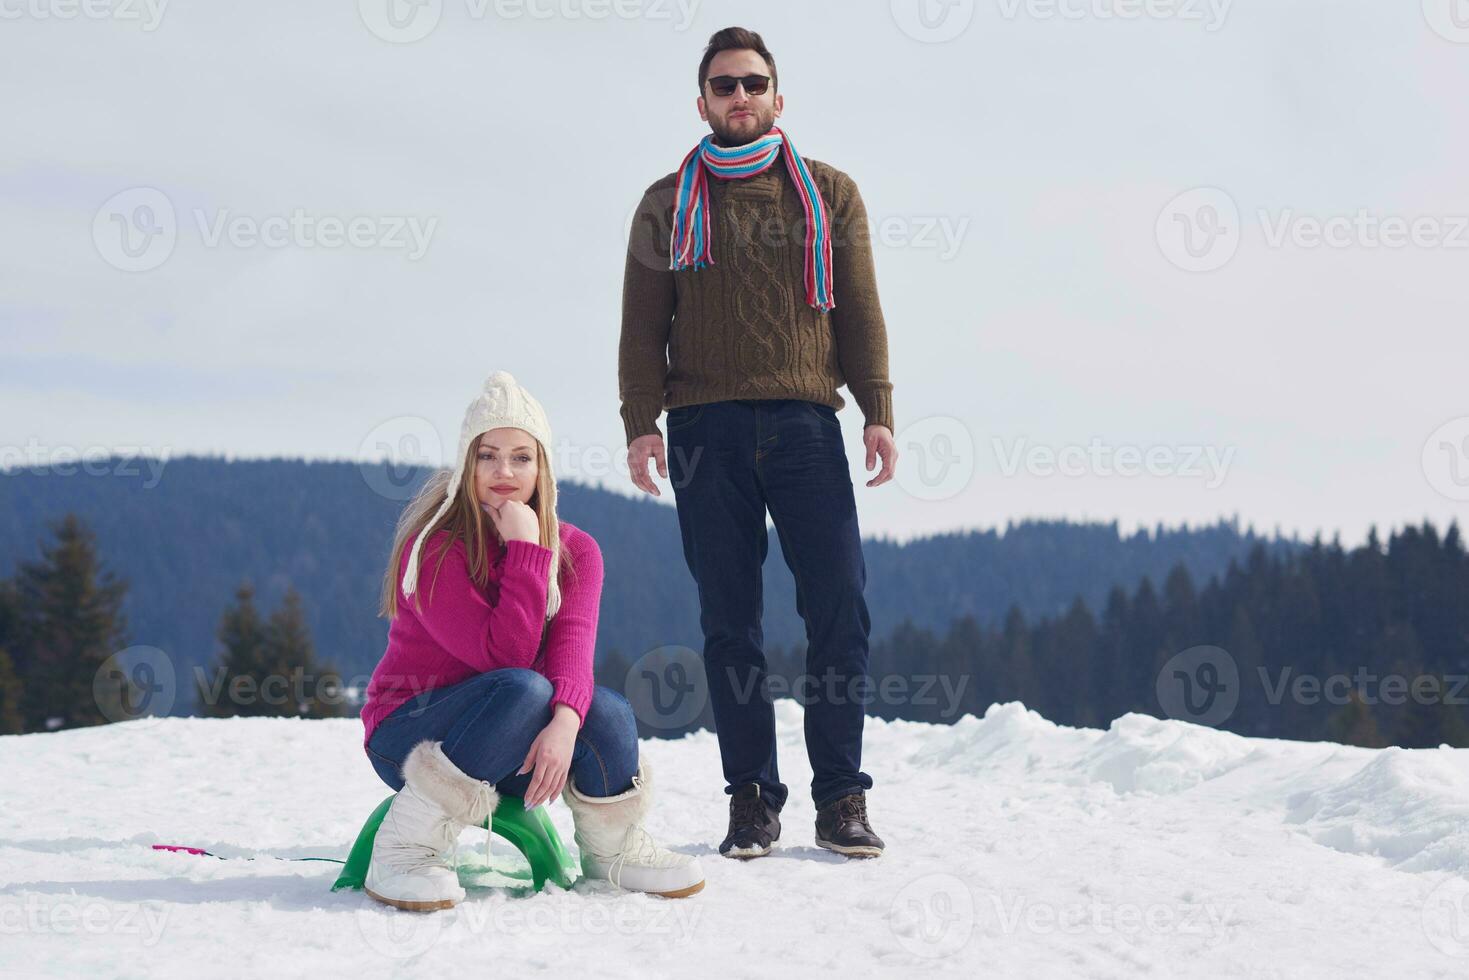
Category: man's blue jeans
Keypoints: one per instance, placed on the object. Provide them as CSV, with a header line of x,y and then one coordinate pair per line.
x,y
728,462
488,723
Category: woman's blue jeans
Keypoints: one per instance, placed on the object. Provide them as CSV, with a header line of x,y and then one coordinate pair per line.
x,y
487,725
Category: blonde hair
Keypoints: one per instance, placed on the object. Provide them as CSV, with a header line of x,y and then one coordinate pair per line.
x,y
466,521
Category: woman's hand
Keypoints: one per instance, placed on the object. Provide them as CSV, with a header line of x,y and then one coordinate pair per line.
x,y
550,756
515,521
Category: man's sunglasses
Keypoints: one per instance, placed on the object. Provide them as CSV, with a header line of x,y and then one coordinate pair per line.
x,y
722,85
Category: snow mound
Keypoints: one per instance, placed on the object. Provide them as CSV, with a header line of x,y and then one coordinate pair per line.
x,y
1008,735
1141,754
1410,807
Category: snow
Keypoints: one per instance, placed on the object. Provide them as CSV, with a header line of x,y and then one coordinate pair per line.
x,y
1016,847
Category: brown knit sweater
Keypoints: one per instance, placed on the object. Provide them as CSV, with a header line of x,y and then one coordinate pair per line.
x,y
740,327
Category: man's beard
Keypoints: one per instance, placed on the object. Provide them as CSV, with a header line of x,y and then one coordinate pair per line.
x,y
763,120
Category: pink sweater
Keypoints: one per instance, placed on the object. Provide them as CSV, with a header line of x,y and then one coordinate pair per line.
x,y
463,630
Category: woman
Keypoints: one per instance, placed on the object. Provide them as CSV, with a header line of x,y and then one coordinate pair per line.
x,y
486,685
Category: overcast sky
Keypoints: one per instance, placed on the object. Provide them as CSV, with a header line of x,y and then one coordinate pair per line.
x,y
1219,247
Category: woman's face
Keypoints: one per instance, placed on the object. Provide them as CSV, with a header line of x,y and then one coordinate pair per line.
x,y
505,467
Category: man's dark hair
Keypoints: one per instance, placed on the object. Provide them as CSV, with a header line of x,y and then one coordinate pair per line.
x,y
735,39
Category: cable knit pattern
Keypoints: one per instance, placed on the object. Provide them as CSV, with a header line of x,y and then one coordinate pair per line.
x,y
740,327
463,630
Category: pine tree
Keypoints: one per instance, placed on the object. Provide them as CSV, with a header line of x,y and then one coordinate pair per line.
x,y
235,685
311,690
70,623
269,668
11,722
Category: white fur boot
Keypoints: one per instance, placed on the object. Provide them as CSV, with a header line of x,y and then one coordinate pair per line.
x,y
412,856
615,847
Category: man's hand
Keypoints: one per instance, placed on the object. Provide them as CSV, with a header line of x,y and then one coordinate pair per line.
x,y
638,453
879,442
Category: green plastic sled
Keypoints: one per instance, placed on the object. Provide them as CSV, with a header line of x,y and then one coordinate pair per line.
x,y
531,833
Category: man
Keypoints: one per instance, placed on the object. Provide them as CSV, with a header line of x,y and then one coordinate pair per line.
x,y
748,299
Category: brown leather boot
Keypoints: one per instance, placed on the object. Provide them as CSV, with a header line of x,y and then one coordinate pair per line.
x,y
754,827
842,826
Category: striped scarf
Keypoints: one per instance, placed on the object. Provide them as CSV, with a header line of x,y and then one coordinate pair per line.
x,y
690,242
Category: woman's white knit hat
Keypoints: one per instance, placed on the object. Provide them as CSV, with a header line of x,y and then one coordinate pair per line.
x,y
501,403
